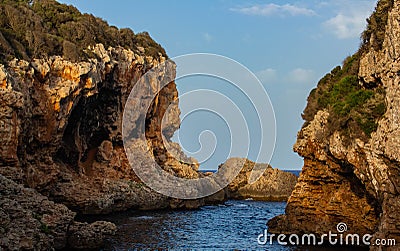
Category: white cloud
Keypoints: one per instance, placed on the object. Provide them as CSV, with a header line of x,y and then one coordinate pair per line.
x,y
347,26
275,9
207,37
295,76
301,76
350,19
267,76
321,4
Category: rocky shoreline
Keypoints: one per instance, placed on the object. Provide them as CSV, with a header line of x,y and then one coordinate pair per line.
x,y
61,145
30,221
62,136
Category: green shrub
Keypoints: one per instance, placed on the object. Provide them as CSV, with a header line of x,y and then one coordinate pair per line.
x,y
347,95
320,97
35,29
45,229
354,109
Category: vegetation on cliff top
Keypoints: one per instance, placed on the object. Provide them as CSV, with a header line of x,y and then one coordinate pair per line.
x,y
40,28
354,107
375,31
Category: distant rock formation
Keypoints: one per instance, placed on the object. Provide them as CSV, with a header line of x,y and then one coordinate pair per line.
x,y
273,185
351,142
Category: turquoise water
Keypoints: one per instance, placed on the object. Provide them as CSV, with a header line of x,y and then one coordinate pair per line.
x,y
232,226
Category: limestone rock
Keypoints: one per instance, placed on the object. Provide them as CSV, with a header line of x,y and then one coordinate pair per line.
x,y
61,130
61,136
104,153
29,221
352,180
273,185
90,236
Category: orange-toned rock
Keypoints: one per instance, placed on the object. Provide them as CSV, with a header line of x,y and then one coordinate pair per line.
x,y
63,131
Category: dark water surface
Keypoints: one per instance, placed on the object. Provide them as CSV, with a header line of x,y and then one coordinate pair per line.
x,y
232,226
295,172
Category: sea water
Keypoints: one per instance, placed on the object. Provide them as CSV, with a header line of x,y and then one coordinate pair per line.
x,y
234,225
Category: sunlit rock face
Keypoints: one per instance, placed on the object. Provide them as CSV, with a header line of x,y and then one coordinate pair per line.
x,y
61,130
273,184
64,84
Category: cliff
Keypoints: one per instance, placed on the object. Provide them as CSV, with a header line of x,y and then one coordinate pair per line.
x,y
62,124
273,185
350,142
64,82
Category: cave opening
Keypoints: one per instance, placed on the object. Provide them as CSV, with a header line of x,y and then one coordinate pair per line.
x,y
92,120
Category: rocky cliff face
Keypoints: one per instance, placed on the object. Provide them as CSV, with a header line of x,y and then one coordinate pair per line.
x,y
349,178
61,135
273,185
62,129
61,126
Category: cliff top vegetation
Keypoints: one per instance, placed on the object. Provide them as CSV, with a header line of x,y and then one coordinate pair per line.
x,y
40,28
354,107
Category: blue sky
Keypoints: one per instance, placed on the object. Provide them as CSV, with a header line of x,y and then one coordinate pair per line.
x,y
289,45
